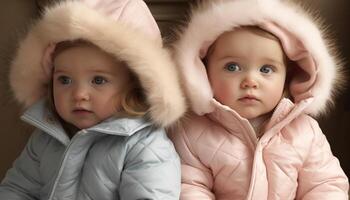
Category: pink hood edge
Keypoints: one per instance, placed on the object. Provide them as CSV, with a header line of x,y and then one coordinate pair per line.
x,y
302,41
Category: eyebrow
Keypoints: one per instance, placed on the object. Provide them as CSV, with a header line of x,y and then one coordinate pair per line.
x,y
58,71
230,57
94,70
275,62
265,60
108,73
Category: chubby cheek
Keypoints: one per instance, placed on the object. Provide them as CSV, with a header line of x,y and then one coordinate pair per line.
x,y
276,89
111,104
223,92
117,104
60,104
276,95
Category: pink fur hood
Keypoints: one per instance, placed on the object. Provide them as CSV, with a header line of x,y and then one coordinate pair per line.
x,y
303,42
123,28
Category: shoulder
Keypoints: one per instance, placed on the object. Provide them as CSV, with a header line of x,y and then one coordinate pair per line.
x,y
150,136
39,139
131,131
315,134
146,142
303,133
193,127
147,133
38,144
151,140
202,136
304,126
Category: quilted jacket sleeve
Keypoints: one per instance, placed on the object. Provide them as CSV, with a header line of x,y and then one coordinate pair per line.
x,y
196,179
151,169
321,176
22,180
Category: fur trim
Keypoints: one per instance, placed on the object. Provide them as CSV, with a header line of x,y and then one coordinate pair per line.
x,y
73,20
211,18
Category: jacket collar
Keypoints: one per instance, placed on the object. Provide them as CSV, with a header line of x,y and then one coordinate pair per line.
x,y
42,118
284,113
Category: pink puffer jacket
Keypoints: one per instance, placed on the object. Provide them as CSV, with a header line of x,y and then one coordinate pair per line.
x,y
221,156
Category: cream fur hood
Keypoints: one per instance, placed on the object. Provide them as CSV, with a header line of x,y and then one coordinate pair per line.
x,y
123,28
302,40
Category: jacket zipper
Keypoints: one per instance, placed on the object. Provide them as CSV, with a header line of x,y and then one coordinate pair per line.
x,y
62,164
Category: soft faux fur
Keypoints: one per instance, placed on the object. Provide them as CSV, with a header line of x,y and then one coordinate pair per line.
x,y
212,18
73,20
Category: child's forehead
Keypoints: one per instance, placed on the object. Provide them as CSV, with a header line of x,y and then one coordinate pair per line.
x,y
241,34
239,41
87,59
246,47
80,46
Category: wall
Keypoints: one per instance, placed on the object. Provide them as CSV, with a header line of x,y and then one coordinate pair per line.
x,y
13,17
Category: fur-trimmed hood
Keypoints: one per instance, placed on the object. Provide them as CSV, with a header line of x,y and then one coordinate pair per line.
x,y
303,41
123,28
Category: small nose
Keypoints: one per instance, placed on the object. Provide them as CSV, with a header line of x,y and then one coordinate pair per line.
x,y
249,82
81,93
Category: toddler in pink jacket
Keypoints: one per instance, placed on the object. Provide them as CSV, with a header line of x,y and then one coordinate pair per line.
x,y
255,72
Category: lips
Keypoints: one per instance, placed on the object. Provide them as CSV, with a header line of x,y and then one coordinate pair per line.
x,y
81,111
248,99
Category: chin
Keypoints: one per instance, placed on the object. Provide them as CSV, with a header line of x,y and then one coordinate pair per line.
x,y
249,115
84,125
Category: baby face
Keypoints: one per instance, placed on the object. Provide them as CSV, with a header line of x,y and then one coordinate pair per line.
x,y
87,84
247,72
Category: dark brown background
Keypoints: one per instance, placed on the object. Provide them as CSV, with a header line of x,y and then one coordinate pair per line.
x,y
16,14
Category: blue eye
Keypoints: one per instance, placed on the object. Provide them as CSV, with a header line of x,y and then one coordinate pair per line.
x,y
266,69
64,80
99,80
232,67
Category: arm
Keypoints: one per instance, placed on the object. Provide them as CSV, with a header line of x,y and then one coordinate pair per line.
x,y
196,178
321,176
151,169
22,180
